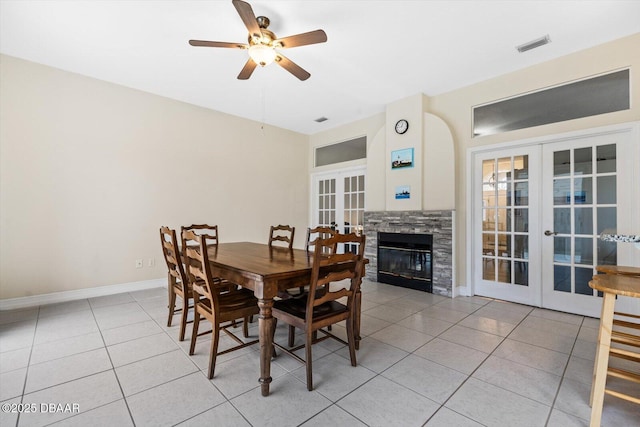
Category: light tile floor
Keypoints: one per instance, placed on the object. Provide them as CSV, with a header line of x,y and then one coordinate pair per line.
x,y
424,360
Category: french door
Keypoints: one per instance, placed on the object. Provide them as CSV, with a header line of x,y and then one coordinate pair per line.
x,y
338,200
538,211
507,258
588,189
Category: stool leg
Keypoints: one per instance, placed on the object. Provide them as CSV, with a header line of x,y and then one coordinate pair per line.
x,y
601,363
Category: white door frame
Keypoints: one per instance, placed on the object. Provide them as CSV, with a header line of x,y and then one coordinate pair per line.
x,y
626,255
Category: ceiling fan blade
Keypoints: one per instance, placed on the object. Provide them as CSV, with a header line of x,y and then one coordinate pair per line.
x,y
247,70
206,43
312,37
248,17
292,67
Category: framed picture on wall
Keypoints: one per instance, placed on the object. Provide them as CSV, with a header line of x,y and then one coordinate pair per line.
x,y
403,192
402,158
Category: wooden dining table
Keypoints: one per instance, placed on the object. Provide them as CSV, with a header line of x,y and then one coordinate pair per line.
x,y
265,270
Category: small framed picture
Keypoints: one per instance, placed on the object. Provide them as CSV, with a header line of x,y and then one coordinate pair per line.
x,y
403,192
402,158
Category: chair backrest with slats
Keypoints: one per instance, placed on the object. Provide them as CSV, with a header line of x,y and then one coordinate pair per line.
x,y
313,234
333,267
282,233
211,231
197,265
172,257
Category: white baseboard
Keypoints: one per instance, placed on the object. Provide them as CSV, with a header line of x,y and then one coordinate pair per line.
x,y
55,297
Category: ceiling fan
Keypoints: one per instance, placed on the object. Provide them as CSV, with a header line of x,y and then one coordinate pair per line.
x,y
263,43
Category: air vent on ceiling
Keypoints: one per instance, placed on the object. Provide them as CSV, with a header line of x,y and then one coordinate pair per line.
x,y
321,119
534,44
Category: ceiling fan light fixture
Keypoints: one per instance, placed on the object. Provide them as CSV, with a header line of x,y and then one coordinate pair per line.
x,y
262,54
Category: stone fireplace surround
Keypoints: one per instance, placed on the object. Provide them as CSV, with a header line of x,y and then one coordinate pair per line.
x,y
437,223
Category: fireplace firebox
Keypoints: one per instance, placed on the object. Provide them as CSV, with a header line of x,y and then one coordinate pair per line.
x,y
406,260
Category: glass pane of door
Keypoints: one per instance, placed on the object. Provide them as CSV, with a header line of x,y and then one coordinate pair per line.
x,y
353,209
505,201
581,192
506,188
326,199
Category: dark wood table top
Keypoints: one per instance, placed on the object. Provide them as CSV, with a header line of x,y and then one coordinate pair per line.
x,y
254,265
261,259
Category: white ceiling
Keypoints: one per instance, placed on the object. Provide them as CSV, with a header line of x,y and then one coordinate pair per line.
x,y
377,51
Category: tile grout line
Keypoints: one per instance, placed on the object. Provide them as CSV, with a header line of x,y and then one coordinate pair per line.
x,y
115,374
26,374
407,355
562,378
468,375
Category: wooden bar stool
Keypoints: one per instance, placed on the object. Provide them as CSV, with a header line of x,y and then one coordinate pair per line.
x,y
612,285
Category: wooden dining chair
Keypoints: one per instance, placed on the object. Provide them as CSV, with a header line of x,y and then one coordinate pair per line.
x,y
321,307
213,301
211,233
282,233
177,281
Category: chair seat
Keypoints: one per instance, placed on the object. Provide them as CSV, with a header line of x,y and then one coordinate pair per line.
x,y
298,307
230,303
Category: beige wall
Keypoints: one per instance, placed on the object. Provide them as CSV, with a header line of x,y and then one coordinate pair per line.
x,y
409,109
89,171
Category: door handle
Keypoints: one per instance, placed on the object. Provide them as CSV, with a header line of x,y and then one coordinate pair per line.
x,y
550,233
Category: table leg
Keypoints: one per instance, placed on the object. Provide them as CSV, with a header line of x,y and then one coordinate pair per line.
x,y
601,363
265,326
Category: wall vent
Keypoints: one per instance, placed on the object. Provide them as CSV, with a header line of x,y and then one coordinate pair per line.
x,y
534,44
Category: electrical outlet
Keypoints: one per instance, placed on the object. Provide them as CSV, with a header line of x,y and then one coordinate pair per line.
x,y
139,263
151,262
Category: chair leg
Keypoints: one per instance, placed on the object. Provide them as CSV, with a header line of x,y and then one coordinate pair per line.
x,y
351,338
172,302
308,360
245,327
183,318
194,334
215,338
292,336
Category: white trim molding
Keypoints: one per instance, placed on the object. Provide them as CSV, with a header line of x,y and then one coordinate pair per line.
x,y
64,296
